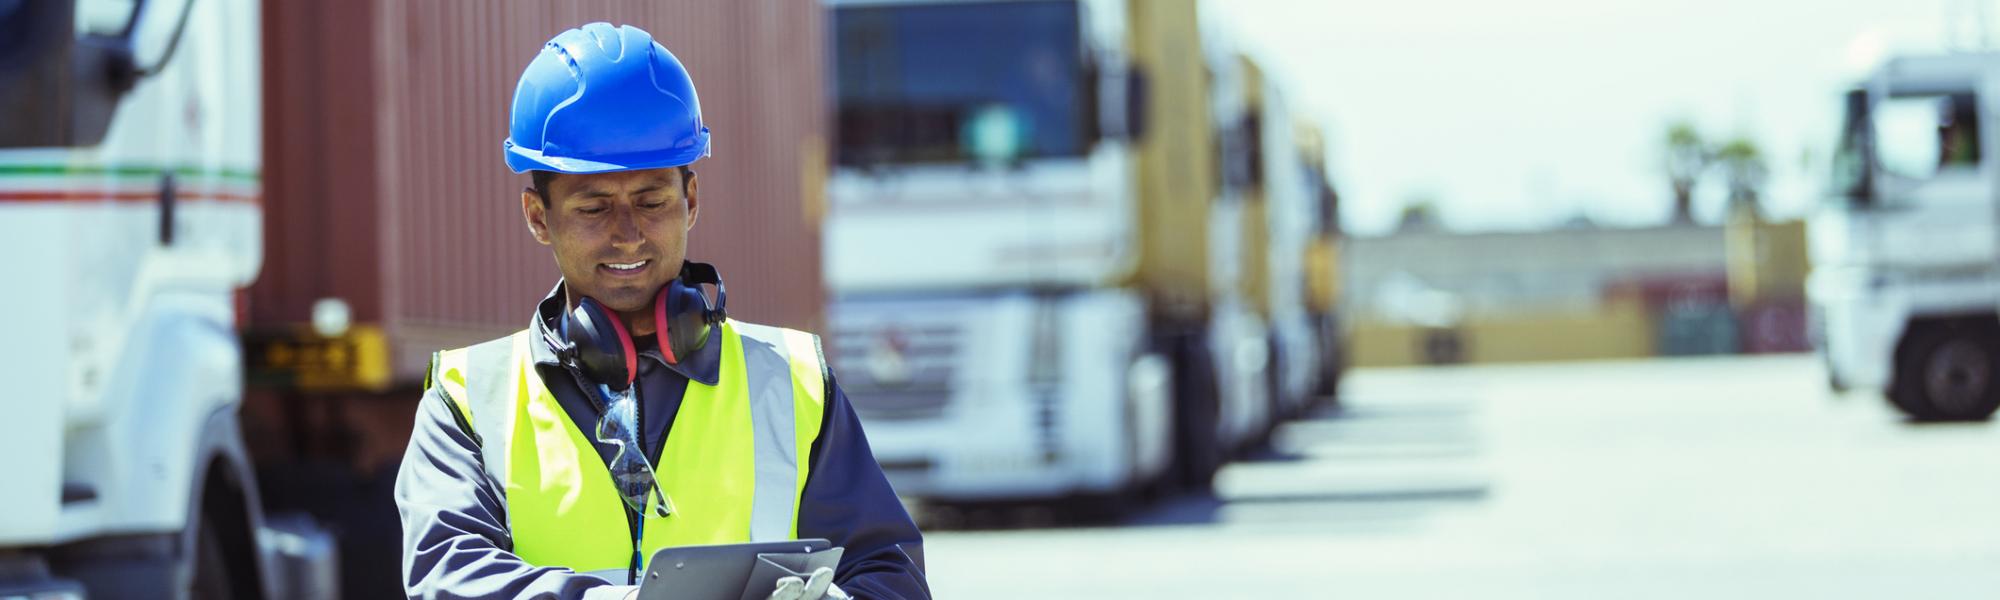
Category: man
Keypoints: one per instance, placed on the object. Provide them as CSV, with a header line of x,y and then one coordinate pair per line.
x,y
1958,131
499,491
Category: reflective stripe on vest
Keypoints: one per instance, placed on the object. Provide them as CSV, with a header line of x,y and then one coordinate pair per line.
x,y
733,464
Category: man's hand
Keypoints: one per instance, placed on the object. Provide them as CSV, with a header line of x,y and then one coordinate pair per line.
x,y
818,587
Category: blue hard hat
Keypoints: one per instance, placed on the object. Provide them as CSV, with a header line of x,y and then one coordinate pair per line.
x,y
602,98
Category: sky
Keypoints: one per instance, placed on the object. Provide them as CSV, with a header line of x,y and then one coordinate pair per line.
x,y
1524,115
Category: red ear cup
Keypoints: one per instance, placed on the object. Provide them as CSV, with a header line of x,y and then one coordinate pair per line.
x,y
662,326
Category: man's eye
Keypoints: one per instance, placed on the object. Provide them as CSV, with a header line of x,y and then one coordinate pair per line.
x,y
591,210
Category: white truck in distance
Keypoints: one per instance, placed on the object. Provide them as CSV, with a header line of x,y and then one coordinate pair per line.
x,y
1905,285
1009,319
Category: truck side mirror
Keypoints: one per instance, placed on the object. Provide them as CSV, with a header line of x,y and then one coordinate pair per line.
x,y
1860,125
60,87
1137,103
102,71
1119,98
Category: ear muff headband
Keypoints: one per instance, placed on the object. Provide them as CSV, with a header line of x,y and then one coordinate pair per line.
x,y
695,274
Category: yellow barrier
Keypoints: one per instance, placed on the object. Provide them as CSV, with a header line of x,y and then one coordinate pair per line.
x,y
1618,330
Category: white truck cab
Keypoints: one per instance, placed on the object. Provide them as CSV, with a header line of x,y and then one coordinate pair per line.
x,y
1905,286
129,197
981,220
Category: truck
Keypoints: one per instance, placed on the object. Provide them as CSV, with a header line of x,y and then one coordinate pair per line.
x,y
1017,246
1275,239
1904,288
1282,193
130,193
1323,269
1240,336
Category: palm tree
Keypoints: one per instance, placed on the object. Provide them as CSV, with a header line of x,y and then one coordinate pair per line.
x,y
1686,158
1420,213
1743,164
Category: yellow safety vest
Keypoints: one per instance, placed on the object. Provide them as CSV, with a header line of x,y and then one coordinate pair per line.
x,y
734,463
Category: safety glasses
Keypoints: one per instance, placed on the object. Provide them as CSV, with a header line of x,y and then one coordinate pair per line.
x,y
630,470
595,346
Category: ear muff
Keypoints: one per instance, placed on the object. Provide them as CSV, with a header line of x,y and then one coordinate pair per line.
x,y
602,347
682,313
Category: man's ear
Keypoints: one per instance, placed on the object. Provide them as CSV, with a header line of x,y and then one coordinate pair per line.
x,y
535,214
694,207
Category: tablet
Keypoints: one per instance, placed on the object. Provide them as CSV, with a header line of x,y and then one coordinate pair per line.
x,y
723,571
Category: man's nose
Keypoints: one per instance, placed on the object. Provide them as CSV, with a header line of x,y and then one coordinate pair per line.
x,y
626,235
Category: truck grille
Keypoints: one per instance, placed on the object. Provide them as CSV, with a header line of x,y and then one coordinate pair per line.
x,y
896,368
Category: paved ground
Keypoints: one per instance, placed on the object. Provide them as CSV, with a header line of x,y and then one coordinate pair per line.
x,y
1686,478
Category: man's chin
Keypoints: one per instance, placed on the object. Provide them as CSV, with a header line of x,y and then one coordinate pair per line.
x,y
625,298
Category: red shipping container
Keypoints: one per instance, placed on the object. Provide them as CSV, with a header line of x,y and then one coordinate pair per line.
x,y
1662,292
384,184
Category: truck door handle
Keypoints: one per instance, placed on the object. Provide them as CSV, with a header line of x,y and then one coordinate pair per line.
x,y
167,201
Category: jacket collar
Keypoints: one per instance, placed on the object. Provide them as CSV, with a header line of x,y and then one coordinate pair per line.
x,y
702,366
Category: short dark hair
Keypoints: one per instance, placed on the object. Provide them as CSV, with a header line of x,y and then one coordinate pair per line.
x,y
539,181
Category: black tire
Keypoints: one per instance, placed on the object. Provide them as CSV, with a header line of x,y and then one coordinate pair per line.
x,y
1326,390
1197,447
1949,372
212,580
1277,408
1103,508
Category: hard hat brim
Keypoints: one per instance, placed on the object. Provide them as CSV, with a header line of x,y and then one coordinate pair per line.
x,y
522,160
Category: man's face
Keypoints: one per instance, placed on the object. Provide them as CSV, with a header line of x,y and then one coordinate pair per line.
x,y
617,236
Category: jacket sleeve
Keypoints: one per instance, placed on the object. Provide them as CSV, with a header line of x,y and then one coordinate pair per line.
x,y
455,538
848,501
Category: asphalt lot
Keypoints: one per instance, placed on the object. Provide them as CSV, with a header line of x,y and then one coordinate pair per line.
x,y
1736,477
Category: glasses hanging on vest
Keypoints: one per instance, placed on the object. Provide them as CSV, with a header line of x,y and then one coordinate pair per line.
x,y
595,342
629,468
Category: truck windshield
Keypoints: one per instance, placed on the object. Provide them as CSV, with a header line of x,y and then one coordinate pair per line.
x,y
1917,136
954,82
1908,138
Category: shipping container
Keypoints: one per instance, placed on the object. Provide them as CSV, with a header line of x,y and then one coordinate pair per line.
x,y
385,187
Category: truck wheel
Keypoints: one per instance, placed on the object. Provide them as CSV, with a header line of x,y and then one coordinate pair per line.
x,y
1949,374
1277,406
211,566
1197,445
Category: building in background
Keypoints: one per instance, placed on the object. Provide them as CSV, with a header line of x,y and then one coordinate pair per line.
x,y
1429,296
